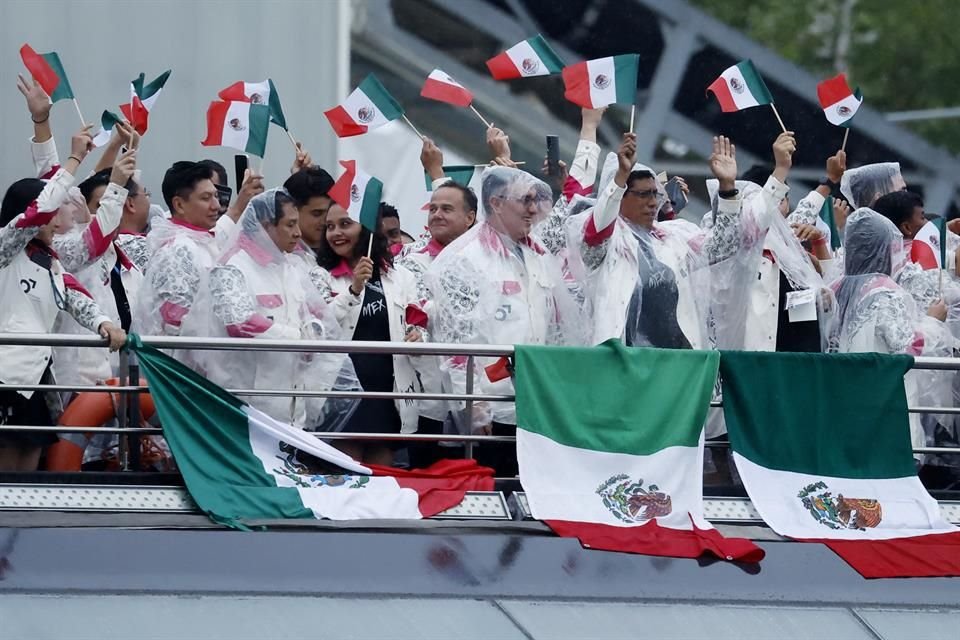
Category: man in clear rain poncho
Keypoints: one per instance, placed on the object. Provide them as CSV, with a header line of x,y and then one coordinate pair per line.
x,y
259,289
875,314
648,283
496,284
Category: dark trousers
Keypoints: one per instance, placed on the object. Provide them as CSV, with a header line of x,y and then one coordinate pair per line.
x,y
502,456
424,454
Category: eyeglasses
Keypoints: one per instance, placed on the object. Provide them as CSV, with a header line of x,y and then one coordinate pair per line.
x,y
649,193
526,201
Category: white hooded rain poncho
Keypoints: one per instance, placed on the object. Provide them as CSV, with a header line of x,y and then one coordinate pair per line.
x,y
256,290
861,187
496,284
874,314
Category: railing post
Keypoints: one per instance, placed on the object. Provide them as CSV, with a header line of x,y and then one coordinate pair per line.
x,y
123,444
468,448
134,408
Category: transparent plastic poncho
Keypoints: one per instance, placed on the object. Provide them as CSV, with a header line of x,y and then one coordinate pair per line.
x,y
257,290
861,187
497,285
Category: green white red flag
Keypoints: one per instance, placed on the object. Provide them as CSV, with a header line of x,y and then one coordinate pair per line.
x,y
369,106
108,120
839,103
143,96
239,125
257,93
740,87
929,247
440,86
47,71
531,57
839,470
619,471
597,83
239,464
359,194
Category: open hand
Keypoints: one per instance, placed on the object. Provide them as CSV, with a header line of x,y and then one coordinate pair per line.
x,y
38,102
723,162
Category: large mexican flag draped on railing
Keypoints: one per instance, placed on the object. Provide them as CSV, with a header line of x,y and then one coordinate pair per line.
x,y
822,444
610,446
239,464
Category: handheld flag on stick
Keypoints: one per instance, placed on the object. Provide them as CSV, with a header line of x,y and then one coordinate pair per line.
x,y
740,87
264,93
359,194
108,120
596,83
441,87
532,57
826,214
369,106
929,246
47,71
839,103
142,98
239,125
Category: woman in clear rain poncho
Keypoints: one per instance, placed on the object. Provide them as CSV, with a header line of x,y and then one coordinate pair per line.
x,y
496,284
864,185
874,314
258,290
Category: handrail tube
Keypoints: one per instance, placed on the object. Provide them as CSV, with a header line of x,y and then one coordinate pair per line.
x,y
327,346
257,344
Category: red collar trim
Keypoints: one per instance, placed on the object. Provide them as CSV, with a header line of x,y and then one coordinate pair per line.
x,y
432,248
342,270
187,225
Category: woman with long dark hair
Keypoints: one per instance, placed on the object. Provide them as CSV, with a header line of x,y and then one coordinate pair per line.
x,y
35,288
373,300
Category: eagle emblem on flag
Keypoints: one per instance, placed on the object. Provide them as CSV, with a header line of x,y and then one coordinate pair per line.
x,y
630,502
256,98
529,65
366,114
354,193
601,81
844,111
840,512
305,470
736,85
236,125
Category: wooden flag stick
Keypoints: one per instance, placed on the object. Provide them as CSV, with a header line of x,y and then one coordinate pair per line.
x,y
633,112
370,245
83,122
407,120
843,147
779,119
482,119
519,164
293,140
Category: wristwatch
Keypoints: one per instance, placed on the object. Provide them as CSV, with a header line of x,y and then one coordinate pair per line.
x,y
830,184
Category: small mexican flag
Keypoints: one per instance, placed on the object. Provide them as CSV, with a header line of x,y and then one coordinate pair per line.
x,y
466,174
142,98
47,72
596,83
827,220
240,464
257,93
929,246
239,125
532,57
108,121
838,470
619,471
359,193
368,107
440,86
839,103
740,87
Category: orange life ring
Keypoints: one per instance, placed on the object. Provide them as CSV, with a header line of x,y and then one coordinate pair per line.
x,y
88,409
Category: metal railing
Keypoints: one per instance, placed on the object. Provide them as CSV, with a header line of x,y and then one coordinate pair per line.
x,y
128,405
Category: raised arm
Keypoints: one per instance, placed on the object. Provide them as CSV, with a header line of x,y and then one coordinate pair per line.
x,y
42,147
726,233
79,250
583,170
